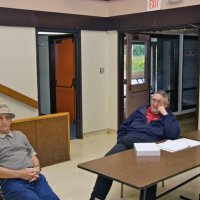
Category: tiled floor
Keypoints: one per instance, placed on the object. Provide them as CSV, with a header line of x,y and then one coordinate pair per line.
x,y
72,183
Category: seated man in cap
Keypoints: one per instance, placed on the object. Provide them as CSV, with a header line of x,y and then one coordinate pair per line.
x,y
20,177
149,123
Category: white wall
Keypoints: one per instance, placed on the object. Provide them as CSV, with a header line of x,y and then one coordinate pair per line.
x,y
123,7
21,110
112,85
99,50
18,66
99,90
94,90
91,7
82,7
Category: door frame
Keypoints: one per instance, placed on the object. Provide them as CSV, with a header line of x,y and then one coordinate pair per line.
x,y
77,40
121,66
137,94
53,68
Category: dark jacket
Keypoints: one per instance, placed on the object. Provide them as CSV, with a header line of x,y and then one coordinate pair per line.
x,y
137,129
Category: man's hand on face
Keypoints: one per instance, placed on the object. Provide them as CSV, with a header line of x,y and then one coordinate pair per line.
x,y
162,110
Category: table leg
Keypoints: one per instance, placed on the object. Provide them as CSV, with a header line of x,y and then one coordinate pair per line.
x,y
148,193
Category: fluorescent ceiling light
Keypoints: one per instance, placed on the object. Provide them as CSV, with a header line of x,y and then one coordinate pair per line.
x,y
51,33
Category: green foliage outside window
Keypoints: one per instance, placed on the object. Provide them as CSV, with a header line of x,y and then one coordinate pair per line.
x,y
138,58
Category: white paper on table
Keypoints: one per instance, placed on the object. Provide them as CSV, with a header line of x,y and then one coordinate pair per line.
x,y
178,144
147,149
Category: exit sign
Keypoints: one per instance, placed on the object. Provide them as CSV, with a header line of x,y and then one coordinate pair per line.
x,y
153,5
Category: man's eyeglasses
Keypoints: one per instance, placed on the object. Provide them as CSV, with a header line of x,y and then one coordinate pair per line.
x,y
158,101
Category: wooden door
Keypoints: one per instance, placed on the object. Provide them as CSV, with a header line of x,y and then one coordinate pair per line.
x,y
65,76
137,71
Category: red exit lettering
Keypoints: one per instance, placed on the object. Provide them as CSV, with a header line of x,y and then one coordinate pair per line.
x,y
153,4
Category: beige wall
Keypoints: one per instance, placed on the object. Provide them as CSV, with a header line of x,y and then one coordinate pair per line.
x,y
112,77
18,66
83,7
91,7
99,91
99,49
122,7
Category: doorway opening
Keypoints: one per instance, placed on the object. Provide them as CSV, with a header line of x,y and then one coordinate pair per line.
x,y
173,67
59,76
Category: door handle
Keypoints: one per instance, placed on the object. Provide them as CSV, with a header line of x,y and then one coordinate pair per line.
x,y
73,83
150,90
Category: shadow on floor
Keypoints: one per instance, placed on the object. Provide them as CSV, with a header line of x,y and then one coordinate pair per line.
x,y
72,131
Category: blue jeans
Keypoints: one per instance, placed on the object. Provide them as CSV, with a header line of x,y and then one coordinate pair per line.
x,y
103,184
19,189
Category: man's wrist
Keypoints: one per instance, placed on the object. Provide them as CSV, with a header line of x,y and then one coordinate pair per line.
x,y
165,113
37,167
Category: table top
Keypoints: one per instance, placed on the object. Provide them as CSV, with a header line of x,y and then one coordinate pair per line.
x,y
143,171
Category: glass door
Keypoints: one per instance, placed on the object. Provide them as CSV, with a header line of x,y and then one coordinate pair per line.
x,y
165,66
190,75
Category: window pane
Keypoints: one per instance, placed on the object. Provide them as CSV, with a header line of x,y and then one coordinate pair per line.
x,y
165,65
190,75
138,63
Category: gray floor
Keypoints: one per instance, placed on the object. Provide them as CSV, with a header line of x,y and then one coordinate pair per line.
x,y
72,183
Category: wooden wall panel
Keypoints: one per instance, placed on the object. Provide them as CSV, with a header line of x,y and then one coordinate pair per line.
x,y
49,135
28,128
52,138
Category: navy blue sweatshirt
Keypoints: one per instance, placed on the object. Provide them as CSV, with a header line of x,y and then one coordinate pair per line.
x,y
136,128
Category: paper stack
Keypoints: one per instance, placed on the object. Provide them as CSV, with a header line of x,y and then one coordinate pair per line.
x,y
178,144
147,149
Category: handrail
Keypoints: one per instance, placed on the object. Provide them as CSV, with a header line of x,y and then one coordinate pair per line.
x,y
41,117
18,96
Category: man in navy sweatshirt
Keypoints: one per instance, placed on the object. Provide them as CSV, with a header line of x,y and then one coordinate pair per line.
x,y
149,123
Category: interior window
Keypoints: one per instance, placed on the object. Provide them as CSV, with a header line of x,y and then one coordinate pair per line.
x,y
165,66
138,63
190,64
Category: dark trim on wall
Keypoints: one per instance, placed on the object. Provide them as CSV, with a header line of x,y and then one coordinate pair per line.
x,y
176,17
162,19
38,75
79,114
197,106
40,19
120,79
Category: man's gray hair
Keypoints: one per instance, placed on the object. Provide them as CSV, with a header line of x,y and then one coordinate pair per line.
x,y
163,94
